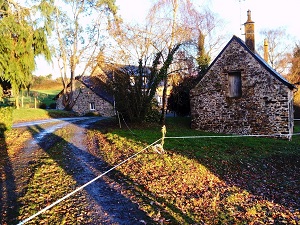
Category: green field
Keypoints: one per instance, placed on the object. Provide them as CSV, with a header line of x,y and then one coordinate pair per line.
x,y
33,99
30,114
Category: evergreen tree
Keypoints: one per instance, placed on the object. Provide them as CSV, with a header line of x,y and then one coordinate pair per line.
x,y
22,38
203,58
294,76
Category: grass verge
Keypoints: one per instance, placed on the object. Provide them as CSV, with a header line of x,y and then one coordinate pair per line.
x,y
21,115
207,181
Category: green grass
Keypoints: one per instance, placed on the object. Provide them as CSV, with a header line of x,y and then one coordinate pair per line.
x,y
196,181
209,180
48,91
214,151
227,147
21,115
46,96
43,98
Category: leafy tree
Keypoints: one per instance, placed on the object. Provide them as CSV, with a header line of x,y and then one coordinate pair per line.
x,y
134,87
23,37
80,28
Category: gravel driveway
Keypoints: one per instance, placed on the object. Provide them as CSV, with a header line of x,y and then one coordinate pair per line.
x,y
107,205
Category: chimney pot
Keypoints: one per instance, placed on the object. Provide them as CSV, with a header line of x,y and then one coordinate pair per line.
x,y
266,50
249,32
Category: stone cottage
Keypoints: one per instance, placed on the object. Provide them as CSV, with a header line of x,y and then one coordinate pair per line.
x,y
242,94
90,97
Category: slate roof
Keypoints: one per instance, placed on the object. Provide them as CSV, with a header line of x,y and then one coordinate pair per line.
x,y
258,58
97,86
132,71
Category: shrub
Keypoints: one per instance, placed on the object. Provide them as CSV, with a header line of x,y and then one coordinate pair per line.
x,y
52,106
43,106
92,114
5,119
153,116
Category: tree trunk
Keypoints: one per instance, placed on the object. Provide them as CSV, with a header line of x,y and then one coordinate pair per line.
x,y
17,102
69,96
164,102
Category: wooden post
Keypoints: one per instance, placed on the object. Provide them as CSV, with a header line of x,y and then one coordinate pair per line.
x,y
163,131
22,101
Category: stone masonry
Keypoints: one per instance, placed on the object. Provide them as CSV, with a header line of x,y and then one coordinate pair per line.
x,y
84,98
265,103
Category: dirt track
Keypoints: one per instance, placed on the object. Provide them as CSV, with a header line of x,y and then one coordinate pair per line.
x,y
106,204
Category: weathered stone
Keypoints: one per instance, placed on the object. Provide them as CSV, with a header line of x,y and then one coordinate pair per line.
x,y
265,102
89,99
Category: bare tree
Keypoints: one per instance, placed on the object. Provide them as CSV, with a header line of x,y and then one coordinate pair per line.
x,y
279,48
171,31
80,27
177,22
134,87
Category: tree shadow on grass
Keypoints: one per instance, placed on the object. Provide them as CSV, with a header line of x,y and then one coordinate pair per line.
x,y
272,176
114,207
155,203
8,197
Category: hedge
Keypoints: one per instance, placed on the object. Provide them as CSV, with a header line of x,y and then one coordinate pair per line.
x,y
6,119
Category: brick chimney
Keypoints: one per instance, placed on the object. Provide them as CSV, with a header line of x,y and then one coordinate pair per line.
x,y
266,50
249,32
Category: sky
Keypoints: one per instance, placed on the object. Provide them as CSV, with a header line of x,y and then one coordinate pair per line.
x,y
267,14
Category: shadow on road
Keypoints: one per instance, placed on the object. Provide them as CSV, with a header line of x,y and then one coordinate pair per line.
x,y
111,205
8,197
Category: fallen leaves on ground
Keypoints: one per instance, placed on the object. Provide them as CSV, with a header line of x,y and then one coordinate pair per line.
x,y
175,189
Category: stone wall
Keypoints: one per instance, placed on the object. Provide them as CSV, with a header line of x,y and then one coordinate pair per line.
x,y
265,104
85,96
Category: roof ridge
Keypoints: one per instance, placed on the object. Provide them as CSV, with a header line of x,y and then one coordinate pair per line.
x,y
258,58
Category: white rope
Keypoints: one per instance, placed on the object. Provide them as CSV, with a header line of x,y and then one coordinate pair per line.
x,y
83,186
121,163
126,124
236,136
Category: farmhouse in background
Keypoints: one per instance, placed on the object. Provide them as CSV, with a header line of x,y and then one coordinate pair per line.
x,y
242,94
133,73
90,97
